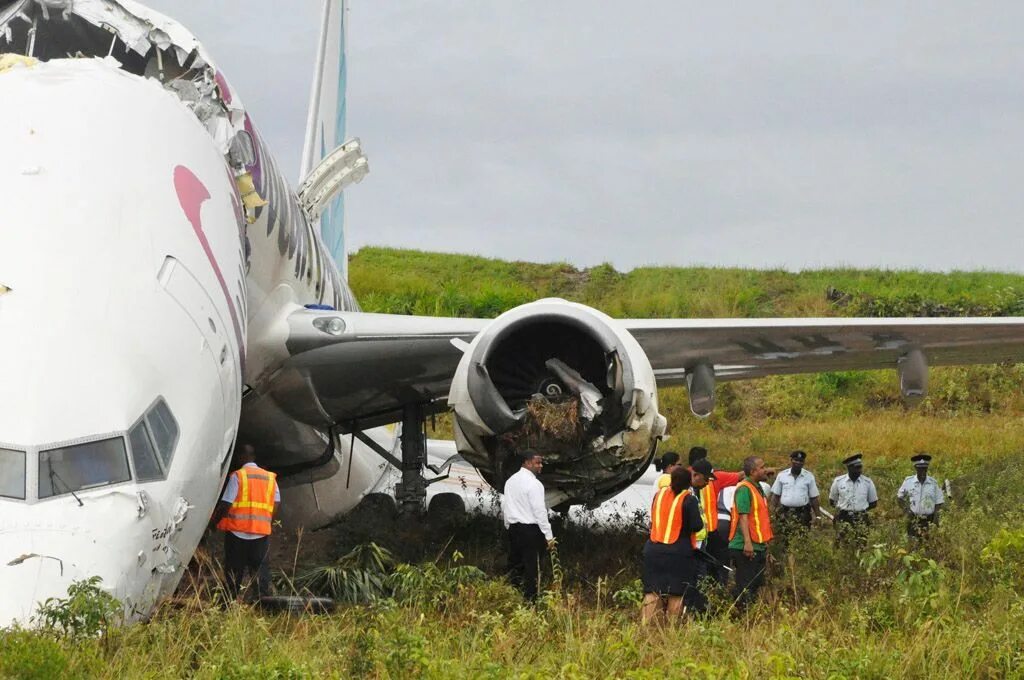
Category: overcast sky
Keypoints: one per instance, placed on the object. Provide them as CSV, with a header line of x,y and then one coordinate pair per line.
x,y
757,134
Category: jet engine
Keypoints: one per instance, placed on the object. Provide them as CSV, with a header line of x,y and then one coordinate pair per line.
x,y
567,381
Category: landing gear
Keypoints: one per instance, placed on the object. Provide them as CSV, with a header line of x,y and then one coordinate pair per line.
x,y
411,493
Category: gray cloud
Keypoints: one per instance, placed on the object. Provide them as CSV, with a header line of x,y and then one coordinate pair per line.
x,y
782,134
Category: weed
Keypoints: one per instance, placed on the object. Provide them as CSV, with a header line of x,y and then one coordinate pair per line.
x,y
28,655
86,612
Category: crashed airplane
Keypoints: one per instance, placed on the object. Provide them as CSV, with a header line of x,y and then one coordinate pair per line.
x,y
164,292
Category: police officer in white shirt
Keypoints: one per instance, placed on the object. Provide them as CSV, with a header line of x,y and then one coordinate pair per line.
x,y
921,498
795,495
853,494
526,518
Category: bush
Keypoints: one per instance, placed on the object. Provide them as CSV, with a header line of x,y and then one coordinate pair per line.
x,y
86,612
430,584
359,577
27,655
1004,555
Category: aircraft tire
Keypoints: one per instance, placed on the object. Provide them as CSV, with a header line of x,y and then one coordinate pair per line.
x,y
447,508
379,505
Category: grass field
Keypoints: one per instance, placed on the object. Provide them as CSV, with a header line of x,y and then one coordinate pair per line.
x,y
439,609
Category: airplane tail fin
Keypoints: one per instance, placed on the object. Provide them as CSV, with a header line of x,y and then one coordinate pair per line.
x,y
325,126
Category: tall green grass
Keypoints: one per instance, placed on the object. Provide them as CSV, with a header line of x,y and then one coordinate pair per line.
x,y
414,282
893,609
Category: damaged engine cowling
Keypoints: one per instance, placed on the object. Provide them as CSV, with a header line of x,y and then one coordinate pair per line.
x,y
568,381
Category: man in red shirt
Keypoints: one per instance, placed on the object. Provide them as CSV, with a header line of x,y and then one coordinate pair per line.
x,y
717,543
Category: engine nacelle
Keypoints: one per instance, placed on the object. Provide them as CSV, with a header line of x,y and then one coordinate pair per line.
x,y
568,381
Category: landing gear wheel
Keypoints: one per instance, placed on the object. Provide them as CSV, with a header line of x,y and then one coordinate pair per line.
x,y
447,509
379,505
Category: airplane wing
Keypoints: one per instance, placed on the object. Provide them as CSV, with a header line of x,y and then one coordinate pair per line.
x,y
377,363
751,348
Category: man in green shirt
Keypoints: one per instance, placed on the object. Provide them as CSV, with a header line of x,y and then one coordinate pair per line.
x,y
752,530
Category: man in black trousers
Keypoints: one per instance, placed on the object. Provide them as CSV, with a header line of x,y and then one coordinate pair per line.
x,y
526,518
245,514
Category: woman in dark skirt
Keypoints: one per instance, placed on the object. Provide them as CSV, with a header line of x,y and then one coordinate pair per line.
x,y
670,566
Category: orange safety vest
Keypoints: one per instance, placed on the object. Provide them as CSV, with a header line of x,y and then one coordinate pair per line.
x,y
253,508
760,523
667,517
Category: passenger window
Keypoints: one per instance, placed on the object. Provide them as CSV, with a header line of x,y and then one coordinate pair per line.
x,y
165,431
83,466
147,467
12,474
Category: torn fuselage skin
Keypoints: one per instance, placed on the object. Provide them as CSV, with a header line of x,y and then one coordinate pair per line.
x,y
140,41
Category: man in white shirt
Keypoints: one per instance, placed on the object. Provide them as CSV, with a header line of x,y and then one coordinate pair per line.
x,y
853,494
526,518
921,498
794,496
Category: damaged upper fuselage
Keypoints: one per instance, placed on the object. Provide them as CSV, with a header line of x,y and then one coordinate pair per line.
x,y
141,41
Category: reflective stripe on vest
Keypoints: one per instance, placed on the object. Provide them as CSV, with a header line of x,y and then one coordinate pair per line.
x,y
709,506
759,522
667,517
253,508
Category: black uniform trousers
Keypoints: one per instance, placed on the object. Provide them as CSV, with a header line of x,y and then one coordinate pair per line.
x,y
717,545
798,516
247,558
749,575
526,544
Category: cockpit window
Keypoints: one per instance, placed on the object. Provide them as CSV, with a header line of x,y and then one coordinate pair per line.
x,y
152,442
82,466
164,430
147,466
12,474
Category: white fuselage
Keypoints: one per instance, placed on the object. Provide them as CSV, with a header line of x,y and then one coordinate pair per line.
x,y
134,280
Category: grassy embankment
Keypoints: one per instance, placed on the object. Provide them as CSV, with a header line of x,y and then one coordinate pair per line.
x,y
951,609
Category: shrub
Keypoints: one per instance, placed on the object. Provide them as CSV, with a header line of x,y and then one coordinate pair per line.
x,y
27,655
630,596
356,578
1004,555
87,611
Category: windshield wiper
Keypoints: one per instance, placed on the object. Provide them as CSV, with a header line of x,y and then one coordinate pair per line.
x,y
67,487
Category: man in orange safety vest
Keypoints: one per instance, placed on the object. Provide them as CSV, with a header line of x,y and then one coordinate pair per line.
x,y
751,531
245,513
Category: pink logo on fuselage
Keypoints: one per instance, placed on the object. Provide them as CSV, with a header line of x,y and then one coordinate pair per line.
x,y
192,193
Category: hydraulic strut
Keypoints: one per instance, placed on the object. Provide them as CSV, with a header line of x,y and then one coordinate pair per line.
x,y
411,493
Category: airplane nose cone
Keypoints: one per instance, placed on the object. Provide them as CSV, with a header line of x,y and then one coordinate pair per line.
x,y
37,565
